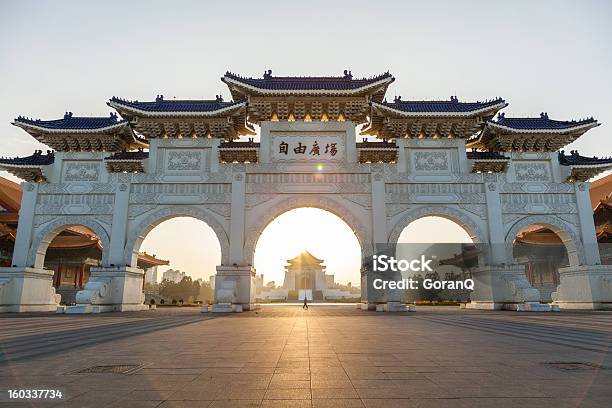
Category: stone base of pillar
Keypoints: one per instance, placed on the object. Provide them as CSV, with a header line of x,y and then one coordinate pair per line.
x,y
586,287
483,305
500,285
111,289
25,289
368,306
234,289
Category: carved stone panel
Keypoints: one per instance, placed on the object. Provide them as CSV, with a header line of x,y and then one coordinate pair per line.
x,y
184,160
81,171
431,161
532,171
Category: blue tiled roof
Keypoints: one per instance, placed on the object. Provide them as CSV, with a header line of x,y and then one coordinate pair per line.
x,y
574,159
452,105
73,122
36,159
329,83
175,105
543,122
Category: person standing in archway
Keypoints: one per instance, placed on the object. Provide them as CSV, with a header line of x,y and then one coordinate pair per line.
x,y
305,305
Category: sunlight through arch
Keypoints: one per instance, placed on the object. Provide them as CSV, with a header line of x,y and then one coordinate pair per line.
x,y
320,232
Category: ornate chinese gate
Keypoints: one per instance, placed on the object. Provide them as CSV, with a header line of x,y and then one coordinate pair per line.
x,y
169,158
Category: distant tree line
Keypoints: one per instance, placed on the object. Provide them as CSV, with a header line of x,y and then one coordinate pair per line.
x,y
186,291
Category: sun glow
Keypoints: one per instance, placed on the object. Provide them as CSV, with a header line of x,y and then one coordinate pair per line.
x,y
320,232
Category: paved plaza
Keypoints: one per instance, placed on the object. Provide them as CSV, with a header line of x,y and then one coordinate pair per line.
x,y
328,356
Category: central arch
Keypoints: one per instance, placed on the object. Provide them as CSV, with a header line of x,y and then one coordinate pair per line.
x,y
323,203
137,233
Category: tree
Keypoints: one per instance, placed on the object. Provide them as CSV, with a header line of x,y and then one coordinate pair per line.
x,y
186,289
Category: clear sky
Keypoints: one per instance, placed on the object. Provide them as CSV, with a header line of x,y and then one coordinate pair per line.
x,y
553,56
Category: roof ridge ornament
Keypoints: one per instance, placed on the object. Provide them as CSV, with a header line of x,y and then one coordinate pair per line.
x,y
454,99
159,98
218,98
544,115
397,99
267,74
68,115
348,74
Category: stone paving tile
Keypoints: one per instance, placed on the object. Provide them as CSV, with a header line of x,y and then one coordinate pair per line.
x,y
337,403
286,403
287,394
334,393
326,357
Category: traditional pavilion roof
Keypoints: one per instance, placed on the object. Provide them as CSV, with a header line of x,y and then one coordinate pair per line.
x,y
82,133
305,259
30,168
488,162
344,85
10,198
186,118
334,98
583,168
147,261
377,152
418,119
450,107
126,162
530,134
601,190
239,152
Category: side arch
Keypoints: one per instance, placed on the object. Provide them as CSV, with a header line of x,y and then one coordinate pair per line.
x,y
452,214
566,232
138,232
363,234
44,236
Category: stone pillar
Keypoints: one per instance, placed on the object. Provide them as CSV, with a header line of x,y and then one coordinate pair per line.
x,y
497,244
587,225
120,224
25,227
111,289
236,255
23,287
584,287
504,287
235,283
234,289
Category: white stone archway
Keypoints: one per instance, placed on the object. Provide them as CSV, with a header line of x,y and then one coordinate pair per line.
x,y
459,217
254,231
563,230
138,232
44,236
